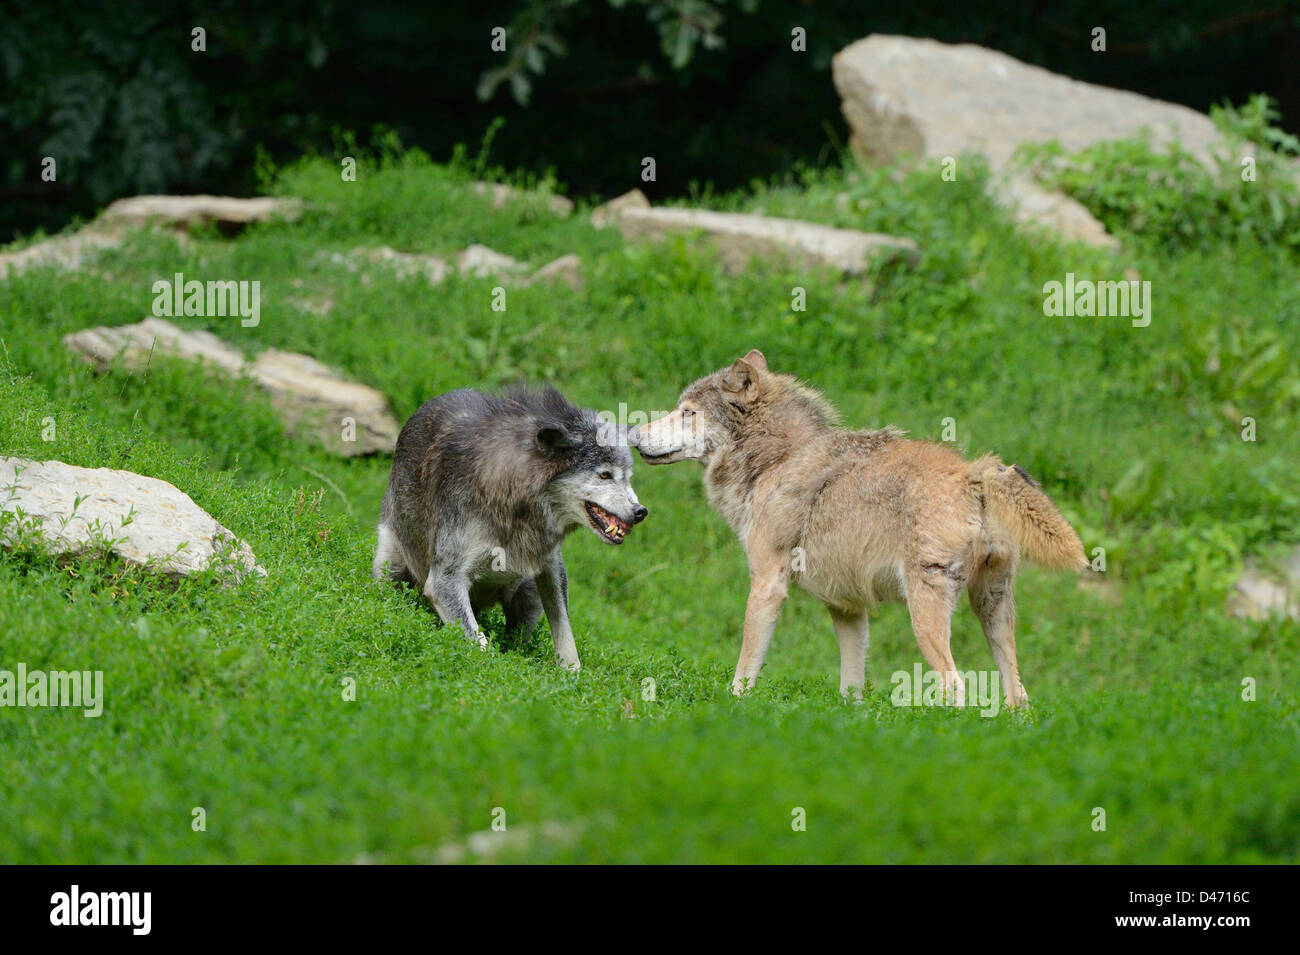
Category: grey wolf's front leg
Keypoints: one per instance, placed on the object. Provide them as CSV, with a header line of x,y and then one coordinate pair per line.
x,y
449,593
553,587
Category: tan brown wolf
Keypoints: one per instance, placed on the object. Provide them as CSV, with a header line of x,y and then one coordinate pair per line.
x,y
857,518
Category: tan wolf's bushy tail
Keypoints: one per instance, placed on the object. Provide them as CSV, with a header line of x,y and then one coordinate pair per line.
x,y
1016,503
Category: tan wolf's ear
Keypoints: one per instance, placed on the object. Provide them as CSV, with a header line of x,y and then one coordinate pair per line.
x,y
755,358
742,379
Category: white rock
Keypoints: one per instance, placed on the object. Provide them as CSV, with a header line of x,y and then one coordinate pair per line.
x,y
908,95
74,250
1030,204
482,262
145,521
313,400
63,251
1258,596
566,269
606,213
742,236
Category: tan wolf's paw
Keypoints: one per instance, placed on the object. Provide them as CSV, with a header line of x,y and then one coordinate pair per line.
x,y
1018,698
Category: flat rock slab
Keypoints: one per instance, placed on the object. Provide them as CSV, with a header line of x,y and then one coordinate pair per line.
x,y
348,418
63,251
743,236
145,521
909,96
181,212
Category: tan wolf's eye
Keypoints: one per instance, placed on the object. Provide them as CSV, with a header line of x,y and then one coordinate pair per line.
x,y
688,412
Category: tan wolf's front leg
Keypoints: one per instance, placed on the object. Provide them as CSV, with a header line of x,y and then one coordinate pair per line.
x,y
766,596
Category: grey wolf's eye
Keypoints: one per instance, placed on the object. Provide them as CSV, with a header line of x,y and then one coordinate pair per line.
x,y
605,476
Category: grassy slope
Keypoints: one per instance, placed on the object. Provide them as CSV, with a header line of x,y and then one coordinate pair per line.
x,y
231,699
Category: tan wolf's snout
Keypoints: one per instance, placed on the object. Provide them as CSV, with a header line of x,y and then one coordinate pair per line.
x,y
667,439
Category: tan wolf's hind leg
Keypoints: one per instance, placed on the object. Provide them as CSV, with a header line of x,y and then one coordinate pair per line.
x,y
993,600
930,600
854,633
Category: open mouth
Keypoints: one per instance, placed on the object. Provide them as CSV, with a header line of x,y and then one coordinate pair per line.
x,y
610,528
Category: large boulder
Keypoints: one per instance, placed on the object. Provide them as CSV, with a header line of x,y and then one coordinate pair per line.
x,y
742,236
908,96
145,521
348,418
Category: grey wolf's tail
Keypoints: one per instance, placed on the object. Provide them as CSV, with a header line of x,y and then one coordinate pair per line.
x,y
1016,504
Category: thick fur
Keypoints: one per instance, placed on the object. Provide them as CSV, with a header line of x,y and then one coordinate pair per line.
x,y
484,489
858,517
1013,500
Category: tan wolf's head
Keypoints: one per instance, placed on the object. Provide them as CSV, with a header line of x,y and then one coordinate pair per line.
x,y
707,415
719,410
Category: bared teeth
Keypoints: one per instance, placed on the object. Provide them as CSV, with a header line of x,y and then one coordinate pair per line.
x,y
614,528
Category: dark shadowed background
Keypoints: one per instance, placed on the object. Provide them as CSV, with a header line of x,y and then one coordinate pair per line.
x,y
115,92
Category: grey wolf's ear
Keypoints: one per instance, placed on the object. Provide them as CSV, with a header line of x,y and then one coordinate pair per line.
x,y
742,379
553,438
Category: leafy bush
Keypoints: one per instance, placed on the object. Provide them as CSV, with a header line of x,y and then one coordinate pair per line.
x,y
1167,196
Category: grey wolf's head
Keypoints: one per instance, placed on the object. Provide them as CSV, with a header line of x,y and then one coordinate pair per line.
x,y
725,407
591,480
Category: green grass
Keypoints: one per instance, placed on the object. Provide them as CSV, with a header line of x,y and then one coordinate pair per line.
x,y
231,699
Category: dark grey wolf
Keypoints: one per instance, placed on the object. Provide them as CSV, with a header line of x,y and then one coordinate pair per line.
x,y
859,517
484,489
